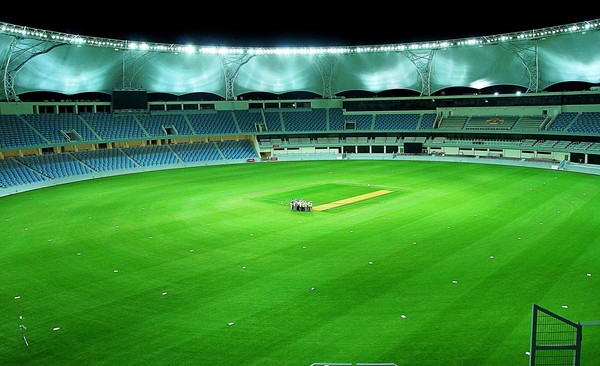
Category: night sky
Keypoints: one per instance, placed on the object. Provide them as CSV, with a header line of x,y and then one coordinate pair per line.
x,y
287,24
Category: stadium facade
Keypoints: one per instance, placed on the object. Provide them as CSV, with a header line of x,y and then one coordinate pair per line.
x,y
210,105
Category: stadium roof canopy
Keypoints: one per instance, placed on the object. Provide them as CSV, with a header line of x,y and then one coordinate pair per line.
x,y
35,60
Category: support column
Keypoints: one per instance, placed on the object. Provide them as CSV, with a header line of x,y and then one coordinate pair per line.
x,y
21,52
528,54
422,61
231,68
326,65
133,61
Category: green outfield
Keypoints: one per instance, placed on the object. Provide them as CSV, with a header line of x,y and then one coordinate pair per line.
x,y
209,266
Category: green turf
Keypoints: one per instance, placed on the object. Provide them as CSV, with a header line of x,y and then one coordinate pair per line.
x,y
189,233
319,193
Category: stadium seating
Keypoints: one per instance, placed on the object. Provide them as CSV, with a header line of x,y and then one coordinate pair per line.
x,y
104,160
490,123
151,155
163,125
396,122
55,165
236,149
61,127
213,123
562,121
14,173
115,127
586,122
15,133
169,139
249,119
311,120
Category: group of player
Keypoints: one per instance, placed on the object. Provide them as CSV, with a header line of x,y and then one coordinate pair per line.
x,y
300,205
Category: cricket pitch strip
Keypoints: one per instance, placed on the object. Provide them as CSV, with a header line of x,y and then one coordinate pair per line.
x,y
346,201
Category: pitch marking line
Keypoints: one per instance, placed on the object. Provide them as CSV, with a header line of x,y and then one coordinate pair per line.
x,y
346,201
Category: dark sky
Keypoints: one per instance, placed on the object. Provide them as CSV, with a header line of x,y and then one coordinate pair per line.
x,y
306,24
